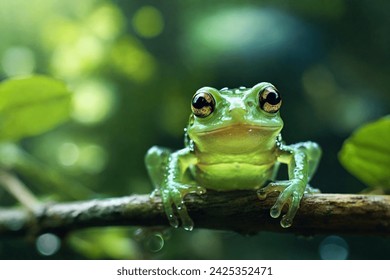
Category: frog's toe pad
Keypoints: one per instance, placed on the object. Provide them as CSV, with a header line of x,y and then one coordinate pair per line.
x,y
186,221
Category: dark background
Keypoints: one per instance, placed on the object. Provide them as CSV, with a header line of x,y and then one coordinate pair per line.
x,y
134,65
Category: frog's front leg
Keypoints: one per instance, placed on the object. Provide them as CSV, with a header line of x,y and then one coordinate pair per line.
x,y
302,160
170,176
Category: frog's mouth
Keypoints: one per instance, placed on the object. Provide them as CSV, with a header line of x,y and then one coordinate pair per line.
x,y
239,138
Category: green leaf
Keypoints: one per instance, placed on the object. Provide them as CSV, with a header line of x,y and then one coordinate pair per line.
x,y
366,154
32,105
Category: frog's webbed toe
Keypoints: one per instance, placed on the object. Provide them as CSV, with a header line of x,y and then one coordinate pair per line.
x,y
291,192
173,202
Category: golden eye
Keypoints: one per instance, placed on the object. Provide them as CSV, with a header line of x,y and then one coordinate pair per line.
x,y
203,104
270,100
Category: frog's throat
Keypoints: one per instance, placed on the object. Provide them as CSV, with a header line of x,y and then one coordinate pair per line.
x,y
236,139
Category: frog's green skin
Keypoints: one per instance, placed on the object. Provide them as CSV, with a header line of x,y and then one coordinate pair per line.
x,y
237,146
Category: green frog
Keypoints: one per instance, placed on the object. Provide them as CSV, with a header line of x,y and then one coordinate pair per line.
x,y
233,142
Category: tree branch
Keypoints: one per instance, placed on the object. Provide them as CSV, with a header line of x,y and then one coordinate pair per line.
x,y
239,211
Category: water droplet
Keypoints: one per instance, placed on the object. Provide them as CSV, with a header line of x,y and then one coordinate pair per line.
x,y
285,223
155,242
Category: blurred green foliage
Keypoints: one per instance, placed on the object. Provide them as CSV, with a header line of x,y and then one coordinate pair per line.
x,y
133,67
366,154
31,106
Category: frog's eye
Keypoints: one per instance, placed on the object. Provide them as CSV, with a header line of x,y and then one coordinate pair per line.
x,y
270,100
203,104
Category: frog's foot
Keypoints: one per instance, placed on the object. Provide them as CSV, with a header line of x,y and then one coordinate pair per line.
x,y
172,198
291,193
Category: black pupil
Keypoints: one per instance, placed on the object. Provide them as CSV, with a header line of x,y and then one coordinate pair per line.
x,y
273,98
199,102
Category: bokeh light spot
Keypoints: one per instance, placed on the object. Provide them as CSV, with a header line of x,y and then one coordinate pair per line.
x,y
18,60
106,22
205,243
245,31
148,22
92,159
80,56
131,59
59,31
333,248
93,102
48,244
351,106
68,154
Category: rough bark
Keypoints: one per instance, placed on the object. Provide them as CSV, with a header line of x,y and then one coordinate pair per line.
x,y
239,211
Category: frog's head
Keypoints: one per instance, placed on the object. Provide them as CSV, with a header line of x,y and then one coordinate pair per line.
x,y
235,120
